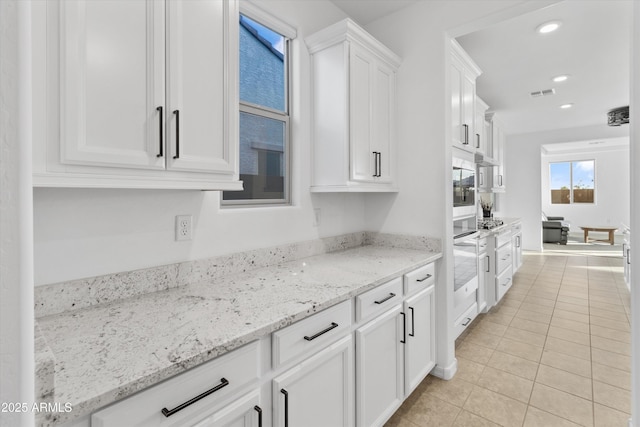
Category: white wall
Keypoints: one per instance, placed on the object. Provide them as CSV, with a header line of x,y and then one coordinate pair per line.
x,y
523,172
611,205
16,251
81,233
634,121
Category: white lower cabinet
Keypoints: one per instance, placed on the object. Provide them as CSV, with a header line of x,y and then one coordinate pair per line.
x,y
200,394
244,412
379,368
318,391
516,246
324,370
420,352
396,350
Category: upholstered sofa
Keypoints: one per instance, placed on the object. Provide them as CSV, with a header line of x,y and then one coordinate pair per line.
x,y
555,229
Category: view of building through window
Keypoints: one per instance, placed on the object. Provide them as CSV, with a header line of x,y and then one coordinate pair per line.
x,y
572,182
264,117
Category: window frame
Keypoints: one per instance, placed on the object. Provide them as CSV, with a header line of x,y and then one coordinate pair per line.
x,y
571,198
289,33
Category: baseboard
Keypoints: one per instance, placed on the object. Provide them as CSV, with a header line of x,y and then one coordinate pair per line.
x,y
445,372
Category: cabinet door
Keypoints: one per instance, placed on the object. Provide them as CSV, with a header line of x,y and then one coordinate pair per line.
x,y
362,74
498,147
243,412
457,131
483,270
516,249
201,72
111,83
379,368
317,392
420,352
383,110
468,110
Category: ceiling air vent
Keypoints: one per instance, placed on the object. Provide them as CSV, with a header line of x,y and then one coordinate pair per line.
x,y
540,93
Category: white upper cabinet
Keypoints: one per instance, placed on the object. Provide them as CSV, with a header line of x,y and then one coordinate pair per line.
x,y
497,142
198,115
464,73
480,136
137,94
354,109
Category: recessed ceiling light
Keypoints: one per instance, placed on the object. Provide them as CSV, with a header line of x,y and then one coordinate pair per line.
x,y
548,27
565,106
560,78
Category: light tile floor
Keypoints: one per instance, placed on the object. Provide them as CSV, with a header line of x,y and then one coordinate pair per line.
x,y
554,352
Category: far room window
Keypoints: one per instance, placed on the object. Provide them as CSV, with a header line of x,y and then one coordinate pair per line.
x,y
572,182
264,115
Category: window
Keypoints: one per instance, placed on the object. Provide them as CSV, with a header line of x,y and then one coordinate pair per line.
x,y
264,115
572,182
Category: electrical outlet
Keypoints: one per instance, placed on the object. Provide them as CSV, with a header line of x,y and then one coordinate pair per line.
x,y
183,227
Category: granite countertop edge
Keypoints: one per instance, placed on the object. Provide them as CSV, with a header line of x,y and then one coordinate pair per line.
x,y
84,404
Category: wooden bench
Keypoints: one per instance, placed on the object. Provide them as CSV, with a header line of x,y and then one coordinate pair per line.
x,y
606,229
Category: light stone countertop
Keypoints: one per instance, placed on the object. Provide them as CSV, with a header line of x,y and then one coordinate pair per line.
x,y
109,351
508,222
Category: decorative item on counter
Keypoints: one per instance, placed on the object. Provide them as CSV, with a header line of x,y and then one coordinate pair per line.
x,y
486,208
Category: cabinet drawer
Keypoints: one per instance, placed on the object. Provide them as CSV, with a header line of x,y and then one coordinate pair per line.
x,y
464,297
463,321
516,228
503,283
311,334
379,299
503,238
228,374
420,278
503,258
482,245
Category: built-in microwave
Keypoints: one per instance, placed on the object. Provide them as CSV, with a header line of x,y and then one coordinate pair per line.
x,y
464,187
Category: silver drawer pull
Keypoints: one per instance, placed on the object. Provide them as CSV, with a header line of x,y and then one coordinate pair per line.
x,y
324,331
467,322
428,276
391,295
168,412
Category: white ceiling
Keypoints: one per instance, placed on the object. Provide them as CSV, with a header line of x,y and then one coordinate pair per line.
x,y
592,45
367,11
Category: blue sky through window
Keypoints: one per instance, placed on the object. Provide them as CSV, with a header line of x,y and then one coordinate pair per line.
x,y
583,174
560,175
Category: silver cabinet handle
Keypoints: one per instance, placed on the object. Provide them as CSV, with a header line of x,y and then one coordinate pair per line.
x,y
467,321
428,276
488,258
466,134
